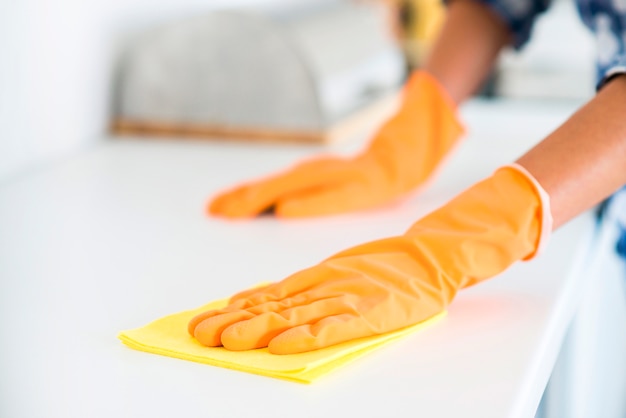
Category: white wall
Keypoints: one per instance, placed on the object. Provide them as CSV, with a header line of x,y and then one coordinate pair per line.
x,y
56,67
57,59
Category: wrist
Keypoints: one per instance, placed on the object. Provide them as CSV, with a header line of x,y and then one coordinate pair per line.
x,y
467,48
486,228
545,212
413,143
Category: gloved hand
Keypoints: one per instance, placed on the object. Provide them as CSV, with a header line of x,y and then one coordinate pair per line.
x,y
401,157
391,283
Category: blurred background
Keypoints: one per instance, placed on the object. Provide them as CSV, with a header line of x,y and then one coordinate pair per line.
x,y
74,74
64,62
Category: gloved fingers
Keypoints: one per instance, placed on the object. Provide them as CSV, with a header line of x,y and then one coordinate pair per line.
x,y
193,323
253,198
326,332
245,294
280,305
209,330
258,331
243,305
293,285
345,283
253,297
232,307
330,200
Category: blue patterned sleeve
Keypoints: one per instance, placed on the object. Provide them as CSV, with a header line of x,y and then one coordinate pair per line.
x,y
518,15
616,67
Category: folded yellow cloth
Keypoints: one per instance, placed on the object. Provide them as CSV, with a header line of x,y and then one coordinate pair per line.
x,y
168,336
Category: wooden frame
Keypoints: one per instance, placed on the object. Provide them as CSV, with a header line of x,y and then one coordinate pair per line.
x,y
363,119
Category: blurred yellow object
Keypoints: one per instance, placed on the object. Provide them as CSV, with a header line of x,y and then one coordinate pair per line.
x,y
430,16
421,21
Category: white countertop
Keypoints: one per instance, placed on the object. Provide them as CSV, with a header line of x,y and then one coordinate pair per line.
x,y
116,236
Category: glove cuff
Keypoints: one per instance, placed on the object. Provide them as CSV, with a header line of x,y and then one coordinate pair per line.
x,y
545,217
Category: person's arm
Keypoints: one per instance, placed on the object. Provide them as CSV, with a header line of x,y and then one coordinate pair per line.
x,y
580,163
467,48
584,160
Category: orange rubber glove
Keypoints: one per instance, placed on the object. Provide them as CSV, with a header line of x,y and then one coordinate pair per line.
x,y
391,283
401,157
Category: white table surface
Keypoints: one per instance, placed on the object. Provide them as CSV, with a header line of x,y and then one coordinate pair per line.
x,y
116,236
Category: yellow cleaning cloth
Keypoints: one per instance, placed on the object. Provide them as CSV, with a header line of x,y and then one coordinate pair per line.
x,y
168,336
